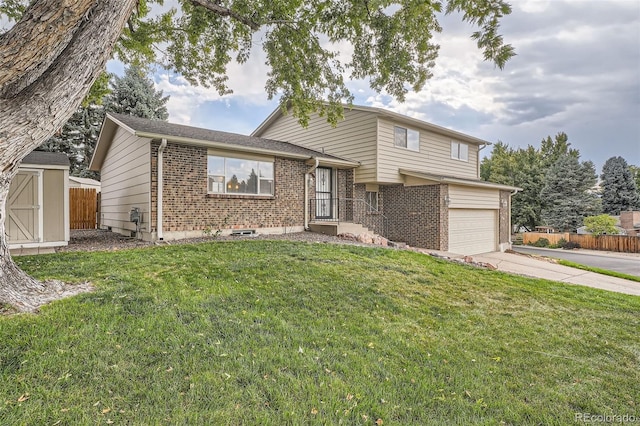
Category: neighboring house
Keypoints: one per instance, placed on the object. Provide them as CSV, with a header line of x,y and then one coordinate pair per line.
x,y
84,183
630,222
38,205
163,181
422,179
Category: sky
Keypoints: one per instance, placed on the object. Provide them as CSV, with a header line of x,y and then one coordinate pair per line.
x,y
577,71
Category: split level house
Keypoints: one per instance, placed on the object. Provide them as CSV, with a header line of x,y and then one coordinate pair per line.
x,y
402,178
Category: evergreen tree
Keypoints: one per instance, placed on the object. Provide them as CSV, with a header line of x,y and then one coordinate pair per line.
x,y
78,139
134,94
635,172
79,135
619,190
526,168
566,196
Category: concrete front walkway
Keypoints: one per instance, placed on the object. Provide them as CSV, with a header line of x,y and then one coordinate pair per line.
x,y
539,268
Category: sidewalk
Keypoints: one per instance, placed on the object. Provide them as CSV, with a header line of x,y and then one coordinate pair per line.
x,y
538,268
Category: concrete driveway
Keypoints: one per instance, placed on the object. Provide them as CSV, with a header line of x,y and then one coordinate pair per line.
x,y
539,268
627,263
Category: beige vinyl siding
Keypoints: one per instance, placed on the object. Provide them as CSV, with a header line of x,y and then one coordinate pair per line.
x,y
353,139
126,182
468,197
53,205
434,155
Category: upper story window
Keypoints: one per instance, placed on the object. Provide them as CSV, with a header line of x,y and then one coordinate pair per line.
x,y
406,138
459,151
227,175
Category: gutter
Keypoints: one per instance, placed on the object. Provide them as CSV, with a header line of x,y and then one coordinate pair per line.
x,y
159,232
307,182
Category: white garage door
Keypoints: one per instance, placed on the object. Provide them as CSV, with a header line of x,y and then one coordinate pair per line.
x,y
472,231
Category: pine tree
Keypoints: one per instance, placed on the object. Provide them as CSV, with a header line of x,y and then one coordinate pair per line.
x,y
134,94
526,168
79,135
566,196
619,190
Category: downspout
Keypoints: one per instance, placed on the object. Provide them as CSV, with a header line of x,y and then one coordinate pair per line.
x,y
511,194
307,179
161,149
484,145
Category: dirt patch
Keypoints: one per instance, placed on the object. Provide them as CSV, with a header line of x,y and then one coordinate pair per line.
x,y
100,240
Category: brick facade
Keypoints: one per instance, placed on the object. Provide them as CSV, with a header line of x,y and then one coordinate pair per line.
x,y
504,218
188,207
416,214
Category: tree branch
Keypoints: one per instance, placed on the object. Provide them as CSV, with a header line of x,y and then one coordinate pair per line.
x,y
35,113
30,47
225,11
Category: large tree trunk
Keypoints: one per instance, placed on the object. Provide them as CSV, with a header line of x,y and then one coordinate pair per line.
x,y
48,62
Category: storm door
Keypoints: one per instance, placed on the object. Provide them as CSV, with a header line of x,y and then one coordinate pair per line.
x,y
324,193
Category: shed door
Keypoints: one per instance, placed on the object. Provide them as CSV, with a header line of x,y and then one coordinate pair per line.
x,y
23,221
472,231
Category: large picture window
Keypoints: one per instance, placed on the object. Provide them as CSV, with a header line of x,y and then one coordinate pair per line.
x,y
227,175
406,138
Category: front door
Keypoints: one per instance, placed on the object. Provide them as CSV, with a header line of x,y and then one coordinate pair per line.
x,y
23,221
324,193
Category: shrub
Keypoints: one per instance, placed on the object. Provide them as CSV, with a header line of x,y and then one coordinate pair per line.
x,y
542,242
601,225
570,245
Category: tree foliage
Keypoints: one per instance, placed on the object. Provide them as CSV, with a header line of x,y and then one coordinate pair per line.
x,y
526,168
619,190
601,224
566,197
392,44
135,94
77,139
132,94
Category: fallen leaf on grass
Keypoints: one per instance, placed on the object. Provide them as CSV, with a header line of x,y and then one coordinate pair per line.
x,y
314,411
24,397
106,410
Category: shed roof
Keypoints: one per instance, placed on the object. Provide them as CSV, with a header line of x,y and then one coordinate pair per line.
x,y
41,158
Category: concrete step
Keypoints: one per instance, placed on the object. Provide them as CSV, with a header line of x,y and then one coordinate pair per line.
x,y
337,228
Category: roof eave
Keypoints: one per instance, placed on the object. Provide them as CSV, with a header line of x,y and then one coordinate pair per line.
x,y
223,145
389,114
458,181
267,122
105,138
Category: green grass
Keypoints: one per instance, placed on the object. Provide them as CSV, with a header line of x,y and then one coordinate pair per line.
x,y
277,333
598,270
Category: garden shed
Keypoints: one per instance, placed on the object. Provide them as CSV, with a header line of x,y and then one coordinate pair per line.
x,y
38,205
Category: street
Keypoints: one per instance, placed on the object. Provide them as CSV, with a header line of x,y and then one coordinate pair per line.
x,y
630,265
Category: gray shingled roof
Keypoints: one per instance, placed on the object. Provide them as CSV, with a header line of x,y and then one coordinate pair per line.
x,y
168,130
46,158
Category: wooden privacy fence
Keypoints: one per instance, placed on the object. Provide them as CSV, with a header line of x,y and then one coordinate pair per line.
x,y
83,208
618,243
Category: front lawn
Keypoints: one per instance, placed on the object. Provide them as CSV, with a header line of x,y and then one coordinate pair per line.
x,y
276,333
